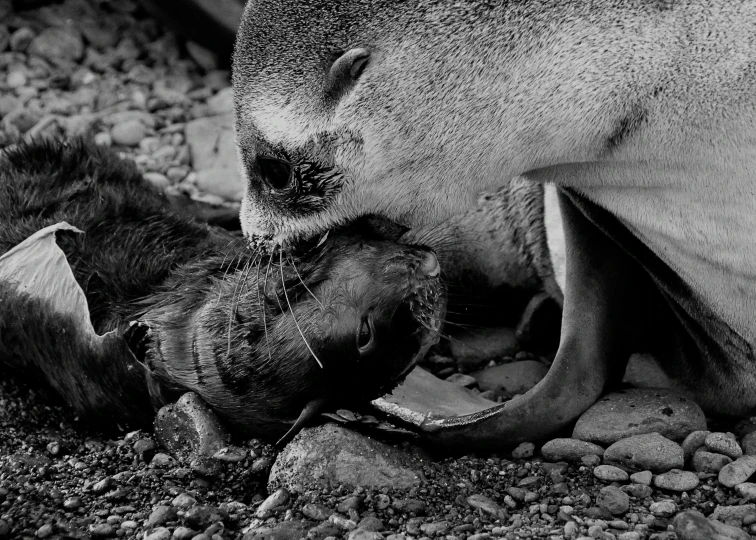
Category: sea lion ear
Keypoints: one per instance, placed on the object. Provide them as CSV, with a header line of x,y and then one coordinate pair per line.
x,y
346,69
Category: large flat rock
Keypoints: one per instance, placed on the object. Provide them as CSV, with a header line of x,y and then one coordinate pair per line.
x,y
637,411
330,454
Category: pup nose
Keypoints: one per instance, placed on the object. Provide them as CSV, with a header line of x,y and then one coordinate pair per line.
x,y
429,266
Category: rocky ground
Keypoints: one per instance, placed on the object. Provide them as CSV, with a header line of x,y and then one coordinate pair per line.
x,y
635,461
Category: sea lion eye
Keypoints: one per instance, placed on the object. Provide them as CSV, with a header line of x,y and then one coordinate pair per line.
x,y
365,334
276,173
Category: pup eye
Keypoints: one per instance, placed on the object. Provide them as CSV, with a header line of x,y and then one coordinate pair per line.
x,y
364,335
276,173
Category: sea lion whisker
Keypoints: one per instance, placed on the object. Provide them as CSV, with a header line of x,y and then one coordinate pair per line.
x,y
233,308
265,324
294,266
237,253
291,310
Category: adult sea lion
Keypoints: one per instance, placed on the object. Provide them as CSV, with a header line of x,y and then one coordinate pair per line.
x,y
642,113
172,305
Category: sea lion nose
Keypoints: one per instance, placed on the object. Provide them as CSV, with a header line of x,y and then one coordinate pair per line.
x,y
429,266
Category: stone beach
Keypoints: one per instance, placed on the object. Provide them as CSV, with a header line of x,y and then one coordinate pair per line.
x,y
640,464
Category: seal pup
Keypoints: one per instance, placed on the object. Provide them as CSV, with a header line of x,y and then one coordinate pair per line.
x,y
641,113
175,305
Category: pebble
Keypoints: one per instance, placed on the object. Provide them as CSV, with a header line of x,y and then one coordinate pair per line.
x,y
16,79
738,471
638,411
523,451
277,499
650,451
315,511
614,500
57,44
571,450
663,508
184,501
160,181
723,443
747,490
161,515
45,531
20,39
610,473
693,442
707,462
161,533
101,530
639,491
487,506
331,454
748,443
183,533
733,514
72,503
677,480
438,528
694,526
642,477
201,517
360,534
461,379
128,133
371,523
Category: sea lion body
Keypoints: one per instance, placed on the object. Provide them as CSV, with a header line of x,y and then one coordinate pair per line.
x,y
199,309
641,113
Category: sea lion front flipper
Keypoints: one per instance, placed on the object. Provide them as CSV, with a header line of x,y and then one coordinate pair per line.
x,y
46,332
311,410
599,324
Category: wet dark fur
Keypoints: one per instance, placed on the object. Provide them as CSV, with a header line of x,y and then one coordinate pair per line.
x,y
218,313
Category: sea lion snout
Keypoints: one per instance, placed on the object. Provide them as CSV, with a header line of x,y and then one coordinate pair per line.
x,y
429,266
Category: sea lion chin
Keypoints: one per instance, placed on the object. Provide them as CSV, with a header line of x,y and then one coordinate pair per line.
x,y
646,127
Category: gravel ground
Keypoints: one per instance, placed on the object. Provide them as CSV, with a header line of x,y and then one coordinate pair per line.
x,y
106,70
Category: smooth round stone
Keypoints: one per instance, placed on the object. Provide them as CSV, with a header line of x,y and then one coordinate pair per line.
x,y
663,508
637,411
708,462
21,38
693,442
748,443
58,43
158,180
610,473
639,491
747,490
614,500
128,133
677,480
524,451
650,452
161,533
572,450
723,443
643,478
738,471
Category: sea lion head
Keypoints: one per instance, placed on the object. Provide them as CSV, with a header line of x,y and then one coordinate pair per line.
x,y
348,107
338,321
